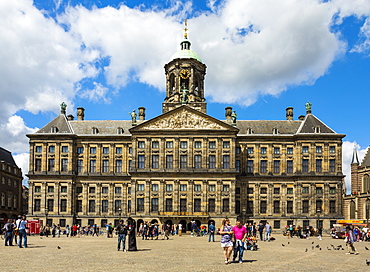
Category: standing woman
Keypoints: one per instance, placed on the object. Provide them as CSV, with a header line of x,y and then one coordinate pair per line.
x,y
131,234
226,232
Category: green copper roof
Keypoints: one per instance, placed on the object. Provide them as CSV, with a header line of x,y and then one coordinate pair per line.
x,y
186,54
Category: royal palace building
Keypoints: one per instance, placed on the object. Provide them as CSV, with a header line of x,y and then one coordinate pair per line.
x,y
184,164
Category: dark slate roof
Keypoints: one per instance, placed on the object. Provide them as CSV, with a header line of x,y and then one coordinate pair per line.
x,y
267,127
104,127
366,160
60,122
311,122
6,156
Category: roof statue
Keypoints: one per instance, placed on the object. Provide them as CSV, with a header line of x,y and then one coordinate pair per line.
x,y
184,94
233,118
63,108
133,117
308,107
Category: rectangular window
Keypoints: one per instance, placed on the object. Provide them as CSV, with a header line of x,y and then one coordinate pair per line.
x,y
38,149
263,191
155,161
263,206
183,161
169,187
198,144
305,206
332,206
37,189
104,190
154,205
263,150
319,190
63,205
276,206
305,190
250,190
237,165
276,167
118,166
50,189
305,165
140,205
64,149
37,165
332,165
105,150
319,165
289,206
79,190
332,190
212,162
198,161
169,144
250,150
168,205
225,205
104,206
226,144
238,150
332,149
155,144
117,205
225,188
289,150
51,149
276,224
289,191
197,205
225,161
141,161
105,166
318,206
212,188
64,165
155,187
289,166
183,144
183,187
91,205
140,187
36,205
237,206
118,190
250,166
169,161
250,207
92,150
78,205
80,166
63,189
50,205
91,190
276,150
263,166
183,205
212,144
118,150
211,205
92,166
318,149
51,165
130,150
197,187
276,190
304,149
141,144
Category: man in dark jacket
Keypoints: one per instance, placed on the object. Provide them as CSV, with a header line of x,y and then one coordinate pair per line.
x,y
121,232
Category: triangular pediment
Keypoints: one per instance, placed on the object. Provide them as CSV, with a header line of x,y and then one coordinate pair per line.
x,y
184,118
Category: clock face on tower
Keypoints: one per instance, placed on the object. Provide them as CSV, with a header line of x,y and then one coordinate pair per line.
x,y
185,74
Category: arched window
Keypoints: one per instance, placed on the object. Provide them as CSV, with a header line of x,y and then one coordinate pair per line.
x,y
366,184
172,84
352,210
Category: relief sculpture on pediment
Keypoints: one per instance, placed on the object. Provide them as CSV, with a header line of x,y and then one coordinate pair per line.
x,y
183,120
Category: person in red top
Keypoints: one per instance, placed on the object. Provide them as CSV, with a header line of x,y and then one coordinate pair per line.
x,y
240,234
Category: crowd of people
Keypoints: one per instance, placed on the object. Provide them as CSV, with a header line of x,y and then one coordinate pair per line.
x,y
15,230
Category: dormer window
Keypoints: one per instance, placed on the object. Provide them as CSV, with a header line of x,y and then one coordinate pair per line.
x,y
94,130
317,129
275,131
249,131
54,130
119,130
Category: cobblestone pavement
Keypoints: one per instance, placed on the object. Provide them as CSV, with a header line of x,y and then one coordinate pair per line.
x,y
179,253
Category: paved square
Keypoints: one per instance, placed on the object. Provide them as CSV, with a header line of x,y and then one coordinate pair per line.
x,y
179,253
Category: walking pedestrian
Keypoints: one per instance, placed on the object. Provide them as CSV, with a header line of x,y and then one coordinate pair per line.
x,y
240,234
211,232
8,228
226,232
350,240
268,232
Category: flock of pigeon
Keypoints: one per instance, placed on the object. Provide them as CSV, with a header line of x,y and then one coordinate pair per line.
x,y
340,247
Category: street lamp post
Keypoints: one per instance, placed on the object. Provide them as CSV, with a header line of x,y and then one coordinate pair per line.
x,y
119,212
318,211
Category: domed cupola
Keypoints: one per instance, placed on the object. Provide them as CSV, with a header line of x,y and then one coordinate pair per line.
x,y
185,78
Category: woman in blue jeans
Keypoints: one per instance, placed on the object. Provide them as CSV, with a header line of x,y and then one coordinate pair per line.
x,y
22,226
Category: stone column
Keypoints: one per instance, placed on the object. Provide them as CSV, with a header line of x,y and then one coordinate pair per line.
x,y
57,158
111,208
85,200
57,197
176,196
133,196
147,197
204,196
218,197
190,196
162,188
98,198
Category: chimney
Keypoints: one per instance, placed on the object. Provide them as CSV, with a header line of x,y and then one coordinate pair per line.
x,y
70,117
228,112
301,117
289,113
80,114
141,113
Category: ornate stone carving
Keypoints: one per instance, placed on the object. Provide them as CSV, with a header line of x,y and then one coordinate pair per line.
x,y
183,120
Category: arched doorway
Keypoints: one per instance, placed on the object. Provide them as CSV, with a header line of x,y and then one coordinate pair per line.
x,y
154,221
138,222
3,215
198,223
183,223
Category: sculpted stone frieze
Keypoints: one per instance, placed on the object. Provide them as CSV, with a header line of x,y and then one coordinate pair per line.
x,y
183,120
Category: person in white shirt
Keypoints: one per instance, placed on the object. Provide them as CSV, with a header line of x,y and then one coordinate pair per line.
x,y
22,226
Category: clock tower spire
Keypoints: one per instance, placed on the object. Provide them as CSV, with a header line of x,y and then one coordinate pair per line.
x,y
185,74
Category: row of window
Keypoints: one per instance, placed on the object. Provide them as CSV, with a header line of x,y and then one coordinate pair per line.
x,y
80,150
10,168
277,207
289,190
289,150
10,182
184,144
8,201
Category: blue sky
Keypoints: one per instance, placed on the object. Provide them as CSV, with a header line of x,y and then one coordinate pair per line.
x,y
108,56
